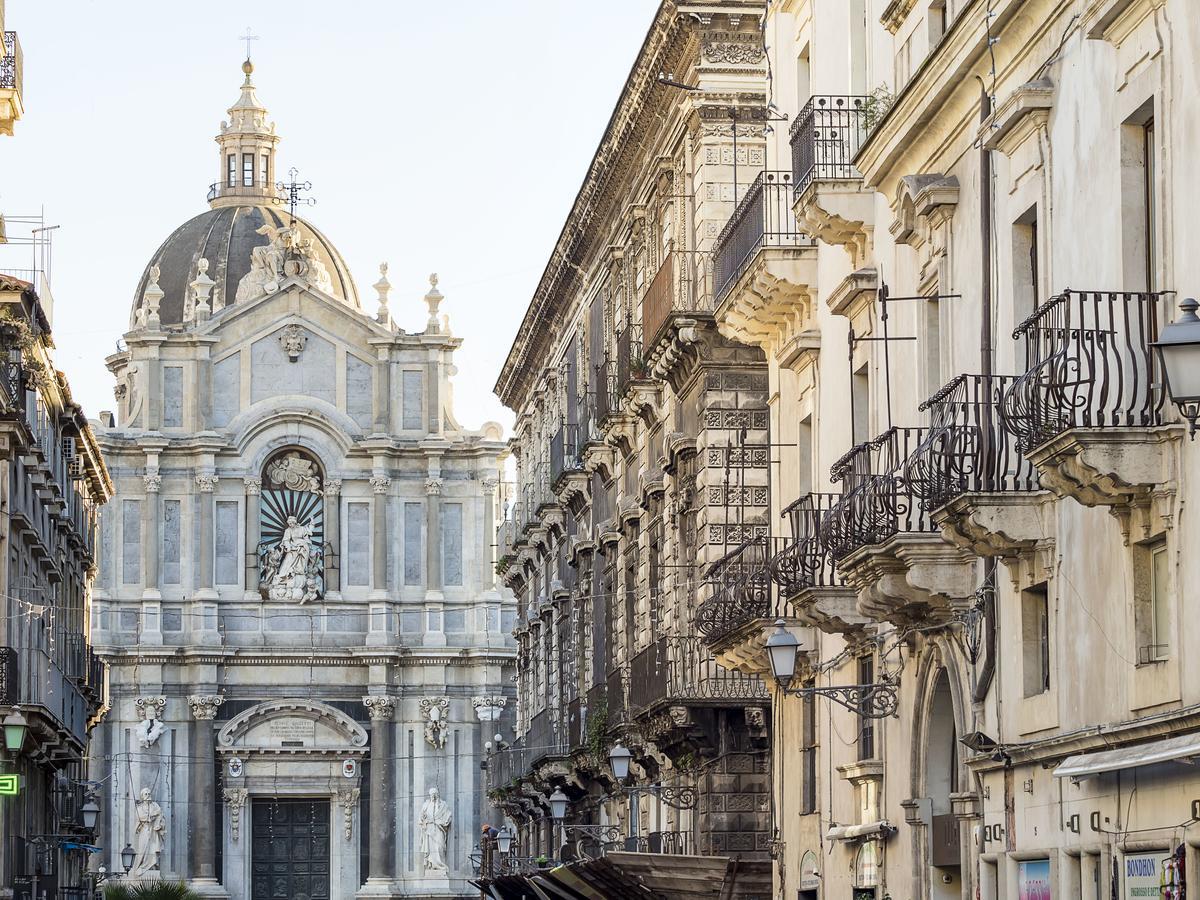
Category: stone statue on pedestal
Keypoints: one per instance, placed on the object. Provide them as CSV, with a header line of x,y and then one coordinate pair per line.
x,y
148,835
434,825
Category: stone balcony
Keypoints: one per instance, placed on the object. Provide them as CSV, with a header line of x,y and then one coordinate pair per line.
x,y
830,201
765,269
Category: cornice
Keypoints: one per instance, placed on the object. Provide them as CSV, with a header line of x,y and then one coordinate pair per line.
x,y
400,656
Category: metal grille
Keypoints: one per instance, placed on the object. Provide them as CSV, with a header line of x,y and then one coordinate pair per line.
x,y
682,284
966,449
741,590
629,357
803,561
825,138
764,218
8,676
12,63
1090,365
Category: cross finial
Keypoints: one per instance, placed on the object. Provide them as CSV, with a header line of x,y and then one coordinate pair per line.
x,y
248,37
291,192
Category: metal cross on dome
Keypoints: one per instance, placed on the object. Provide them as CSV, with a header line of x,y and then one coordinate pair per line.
x,y
290,191
248,37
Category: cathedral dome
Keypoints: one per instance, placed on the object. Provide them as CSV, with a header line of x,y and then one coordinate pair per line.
x,y
225,236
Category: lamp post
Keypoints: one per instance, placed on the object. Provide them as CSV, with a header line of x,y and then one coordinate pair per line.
x,y
89,813
1178,350
504,840
871,701
618,761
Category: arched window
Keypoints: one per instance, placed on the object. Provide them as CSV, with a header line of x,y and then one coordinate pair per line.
x,y
866,868
291,548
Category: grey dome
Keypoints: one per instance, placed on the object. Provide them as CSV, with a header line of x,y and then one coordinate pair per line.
x,y
225,236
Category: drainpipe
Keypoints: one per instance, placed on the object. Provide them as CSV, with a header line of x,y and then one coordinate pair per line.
x,y
987,673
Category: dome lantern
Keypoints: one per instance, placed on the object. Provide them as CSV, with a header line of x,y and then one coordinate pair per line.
x,y
246,142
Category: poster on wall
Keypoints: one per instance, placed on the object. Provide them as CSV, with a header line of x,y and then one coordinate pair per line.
x,y
1033,879
1142,873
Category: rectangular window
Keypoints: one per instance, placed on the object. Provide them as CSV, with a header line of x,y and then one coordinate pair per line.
x,y
937,22
1025,264
131,541
860,400
866,725
412,543
1138,202
1151,205
452,543
358,543
410,410
247,170
804,457
172,414
264,170
808,744
1152,601
226,542
1035,639
171,532
231,170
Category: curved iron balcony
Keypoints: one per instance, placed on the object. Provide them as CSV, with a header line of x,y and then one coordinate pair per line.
x,y
741,591
1090,365
877,502
966,448
803,561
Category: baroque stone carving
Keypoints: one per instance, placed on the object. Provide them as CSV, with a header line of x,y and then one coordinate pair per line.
x,y
152,482
291,569
235,799
287,253
348,799
733,53
253,486
333,487
433,487
206,483
293,339
204,706
380,484
488,709
149,834
150,728
435,711
295,473
434,825
380,708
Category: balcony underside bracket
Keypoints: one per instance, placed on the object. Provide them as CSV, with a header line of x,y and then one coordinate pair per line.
x,y
912,578
1001,524
839,212
832,609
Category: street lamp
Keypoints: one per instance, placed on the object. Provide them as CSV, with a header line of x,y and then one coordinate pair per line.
x,y
15,727
504,840
781,648
558,805
127,858
1178,349
618,759
90,813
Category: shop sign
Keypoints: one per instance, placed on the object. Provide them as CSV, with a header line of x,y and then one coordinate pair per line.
x,y
1143,872
10,785
1033,879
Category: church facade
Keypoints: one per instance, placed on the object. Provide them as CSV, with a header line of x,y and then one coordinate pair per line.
x,y
296,592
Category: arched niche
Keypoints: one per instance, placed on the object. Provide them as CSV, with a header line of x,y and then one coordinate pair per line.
x,y
291,527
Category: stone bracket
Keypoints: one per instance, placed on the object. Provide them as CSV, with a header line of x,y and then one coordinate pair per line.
x,y
911,578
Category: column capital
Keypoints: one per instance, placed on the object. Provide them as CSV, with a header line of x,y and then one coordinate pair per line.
x,y
489,485
380,484
151,707
207,483
488,709
380,707
204,706
333,487
152,482
253,485
433,487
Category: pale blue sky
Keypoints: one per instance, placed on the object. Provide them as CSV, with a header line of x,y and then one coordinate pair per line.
x,y
447,137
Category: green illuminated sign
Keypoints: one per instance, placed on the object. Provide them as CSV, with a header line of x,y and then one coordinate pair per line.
x,y
10,785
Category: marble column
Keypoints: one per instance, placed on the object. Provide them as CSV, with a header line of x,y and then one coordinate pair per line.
x,y
202,788
379,485
151,537
253,534
207,483
433,527
382,823
488,556
333,537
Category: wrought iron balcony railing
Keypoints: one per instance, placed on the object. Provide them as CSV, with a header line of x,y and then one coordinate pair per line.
x,y
803,561
683,283
630,364
825,138
607,397
564,451
1089,365
8,676
876,502
12,64
966,449
679,669
741,591
763,219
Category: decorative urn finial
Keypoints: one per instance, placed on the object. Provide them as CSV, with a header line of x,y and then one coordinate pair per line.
x,y
433,299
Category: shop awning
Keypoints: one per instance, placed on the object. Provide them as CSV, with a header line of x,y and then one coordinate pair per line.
x,y
630,876
1085,765
860,832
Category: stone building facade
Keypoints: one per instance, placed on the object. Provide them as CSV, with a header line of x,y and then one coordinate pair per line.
x,y
980,517
297,593
642,448
52,485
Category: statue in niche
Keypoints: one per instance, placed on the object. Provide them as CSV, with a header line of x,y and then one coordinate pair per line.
x,y
436,710
148,835
291,553
434,825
